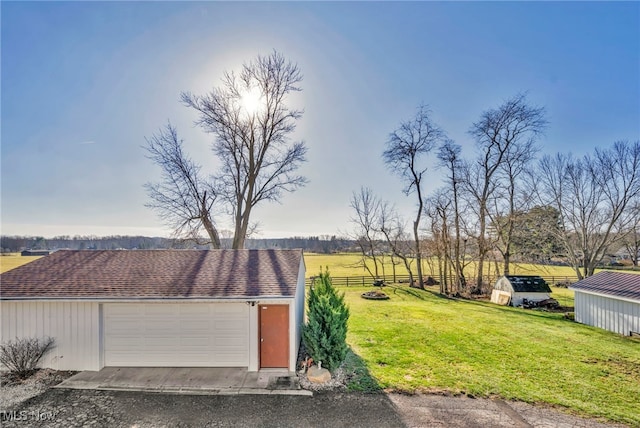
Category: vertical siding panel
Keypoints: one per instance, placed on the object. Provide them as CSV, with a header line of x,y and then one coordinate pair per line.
x,y
5,316
33,310
68,332
611,316
587,310
84,340
18,321
607,318
78,319
600,308
73,325
620,315
70,309
608,313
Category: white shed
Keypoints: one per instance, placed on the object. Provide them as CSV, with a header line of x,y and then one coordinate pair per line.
x,y
513,289
159,308
609,300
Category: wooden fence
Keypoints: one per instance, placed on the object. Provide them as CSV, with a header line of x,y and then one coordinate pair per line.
x,y
367,281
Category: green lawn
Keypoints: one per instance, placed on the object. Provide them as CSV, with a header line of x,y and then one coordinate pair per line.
x,y
419,341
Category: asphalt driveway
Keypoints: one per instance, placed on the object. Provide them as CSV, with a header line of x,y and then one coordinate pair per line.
x,y
80,408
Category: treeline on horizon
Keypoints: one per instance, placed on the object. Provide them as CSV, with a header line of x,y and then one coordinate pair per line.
x,y
317,244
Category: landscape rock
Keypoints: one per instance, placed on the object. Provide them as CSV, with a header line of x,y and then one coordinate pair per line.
x,y
318,375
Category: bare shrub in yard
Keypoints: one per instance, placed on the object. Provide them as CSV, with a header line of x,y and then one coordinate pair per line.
x,y
22,355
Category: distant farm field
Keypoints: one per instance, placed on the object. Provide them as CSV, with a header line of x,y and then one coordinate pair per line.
x,y
348,264
9,261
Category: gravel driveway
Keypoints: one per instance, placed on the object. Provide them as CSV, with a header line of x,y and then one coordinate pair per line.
x,y
80,408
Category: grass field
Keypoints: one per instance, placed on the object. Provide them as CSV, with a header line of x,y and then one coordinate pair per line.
x,y
9,261
420,341
347,264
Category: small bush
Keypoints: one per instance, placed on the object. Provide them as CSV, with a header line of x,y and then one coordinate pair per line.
x,y
22,355
325,334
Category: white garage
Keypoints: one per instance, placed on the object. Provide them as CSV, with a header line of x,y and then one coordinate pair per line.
x,y
176,335
609,300
159,308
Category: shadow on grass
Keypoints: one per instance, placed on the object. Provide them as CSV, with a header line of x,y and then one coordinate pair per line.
x,y
358,377
415,292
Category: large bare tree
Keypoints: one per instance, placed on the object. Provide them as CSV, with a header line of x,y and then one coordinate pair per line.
x,y
403,155
183,199
252,126
596,196
512,196
500,135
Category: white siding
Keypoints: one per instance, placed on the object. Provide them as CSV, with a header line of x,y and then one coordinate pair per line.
x,y
609,313
516,299
74,325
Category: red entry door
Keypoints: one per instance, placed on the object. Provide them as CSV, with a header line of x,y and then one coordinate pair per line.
x,y
274,336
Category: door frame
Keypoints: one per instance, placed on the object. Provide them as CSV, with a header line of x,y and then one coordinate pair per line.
x,y
288,335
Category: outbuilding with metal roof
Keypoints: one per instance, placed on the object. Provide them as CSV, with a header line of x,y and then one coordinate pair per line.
x,y
609,300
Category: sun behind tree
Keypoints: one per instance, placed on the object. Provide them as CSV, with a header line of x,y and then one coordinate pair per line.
x,y
252,126
251,100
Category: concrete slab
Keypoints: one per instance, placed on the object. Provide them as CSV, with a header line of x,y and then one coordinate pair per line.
x,y
139,378
187,380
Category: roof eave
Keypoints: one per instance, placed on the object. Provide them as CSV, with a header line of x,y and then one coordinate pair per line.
x,y
610,296
144,299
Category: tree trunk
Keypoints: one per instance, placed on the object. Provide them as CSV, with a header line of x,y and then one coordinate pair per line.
x,y
418,252
212,232
507,260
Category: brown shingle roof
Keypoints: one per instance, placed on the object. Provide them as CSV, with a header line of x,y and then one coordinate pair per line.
x,y
626,285
107,274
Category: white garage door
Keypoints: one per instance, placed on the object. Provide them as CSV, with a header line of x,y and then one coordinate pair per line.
x,y
176,334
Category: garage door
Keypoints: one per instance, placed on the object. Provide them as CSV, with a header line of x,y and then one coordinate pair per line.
x,y
176,335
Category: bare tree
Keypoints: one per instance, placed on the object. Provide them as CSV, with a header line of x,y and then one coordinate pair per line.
x,y
595,196
252,124
366,208
450,158
499,135
438,210
404,149
183,199
513,197
393,229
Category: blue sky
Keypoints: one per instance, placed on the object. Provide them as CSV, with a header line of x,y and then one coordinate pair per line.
x,y
82,84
